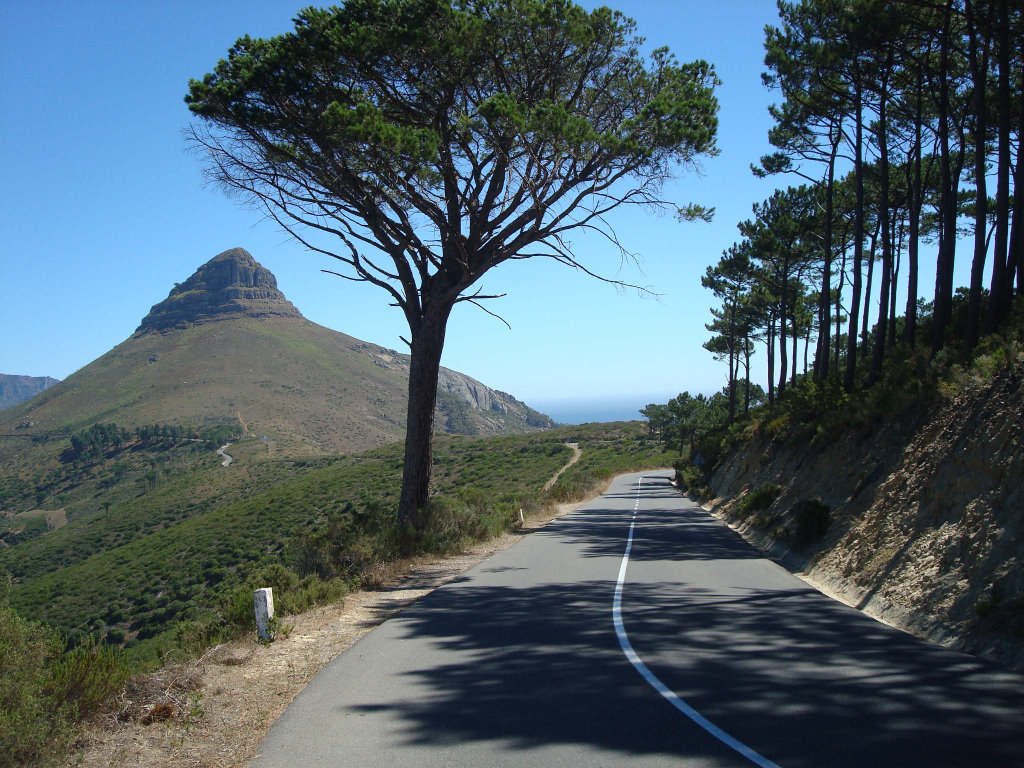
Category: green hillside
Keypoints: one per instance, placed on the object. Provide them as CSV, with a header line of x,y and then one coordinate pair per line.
x,y
121,521
130,572
308,388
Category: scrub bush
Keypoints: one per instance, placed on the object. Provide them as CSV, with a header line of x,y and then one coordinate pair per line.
x,y
761,498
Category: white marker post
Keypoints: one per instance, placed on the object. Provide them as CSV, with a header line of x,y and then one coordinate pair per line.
x,y
263,603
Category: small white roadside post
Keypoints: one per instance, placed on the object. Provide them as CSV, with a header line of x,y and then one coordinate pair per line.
x,y
263,603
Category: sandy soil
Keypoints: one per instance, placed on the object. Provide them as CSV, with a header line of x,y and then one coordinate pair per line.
x,y
214,712
576,453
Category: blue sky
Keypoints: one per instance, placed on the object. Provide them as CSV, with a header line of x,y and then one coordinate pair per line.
x,y
102,209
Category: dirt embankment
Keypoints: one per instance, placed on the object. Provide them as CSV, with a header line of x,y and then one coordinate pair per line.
x,y
925,528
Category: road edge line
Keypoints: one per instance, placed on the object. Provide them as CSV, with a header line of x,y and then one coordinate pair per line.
x,y
627,648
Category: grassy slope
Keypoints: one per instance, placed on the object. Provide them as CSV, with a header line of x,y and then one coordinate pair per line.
x,y
112,502
173,555
311,389
289,378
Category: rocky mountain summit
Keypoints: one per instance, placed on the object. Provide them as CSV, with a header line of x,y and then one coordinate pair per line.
x,y
231,284
226,347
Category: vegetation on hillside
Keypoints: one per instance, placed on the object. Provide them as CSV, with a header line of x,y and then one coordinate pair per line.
x,y
306,388
44,691
131,572
165,573
912,383
112,498
105,440
921,83
896,127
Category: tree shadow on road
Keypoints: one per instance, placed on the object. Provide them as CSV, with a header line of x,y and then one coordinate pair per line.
x,y
801,679
668,532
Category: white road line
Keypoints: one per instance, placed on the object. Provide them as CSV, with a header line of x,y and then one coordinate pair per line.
x,y
652,679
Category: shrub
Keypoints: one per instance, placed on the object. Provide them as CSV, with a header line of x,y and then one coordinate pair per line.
x,y
1002,615
44,692
446,523
986,604
776,427
348,543
292,594
760,499
308,592
812,520
86,678
576,485
689,478
191,638
711,446
30,729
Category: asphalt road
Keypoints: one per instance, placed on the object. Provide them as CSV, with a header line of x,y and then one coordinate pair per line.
x,y
518,663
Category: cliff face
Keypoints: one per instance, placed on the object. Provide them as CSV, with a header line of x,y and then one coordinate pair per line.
x,y
231,284
17,389
464,405
926,521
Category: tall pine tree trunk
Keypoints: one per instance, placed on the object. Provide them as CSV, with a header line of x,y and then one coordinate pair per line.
x,y
915,185
1000,293
943,303
795,357
783,355
747,349
424,366
890,341
1015,253
850,377
865,325
878,354
734,360
824,346
979,75
839,308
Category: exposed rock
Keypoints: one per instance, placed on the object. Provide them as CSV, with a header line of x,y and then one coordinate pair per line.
x,y
17,389
490,402
927,516
491,410
231,284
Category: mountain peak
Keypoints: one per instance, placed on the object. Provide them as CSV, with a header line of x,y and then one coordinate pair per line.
x,y
231,284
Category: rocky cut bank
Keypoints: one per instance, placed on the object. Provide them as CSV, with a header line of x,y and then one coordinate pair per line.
x,y
920,521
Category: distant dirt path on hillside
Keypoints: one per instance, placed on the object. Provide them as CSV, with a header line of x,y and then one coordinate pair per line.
x,y
223,455
576,453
